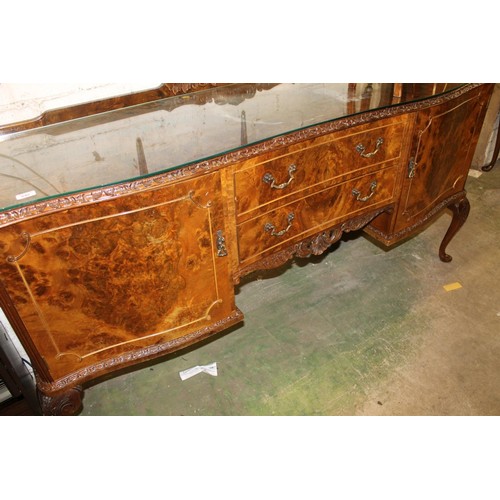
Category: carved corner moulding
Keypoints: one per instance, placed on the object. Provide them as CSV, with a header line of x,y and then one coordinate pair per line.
x,y
59,203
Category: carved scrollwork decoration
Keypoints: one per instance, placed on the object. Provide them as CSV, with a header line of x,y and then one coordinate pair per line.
x,y
361,221
172,89
319,244
65,404
314,245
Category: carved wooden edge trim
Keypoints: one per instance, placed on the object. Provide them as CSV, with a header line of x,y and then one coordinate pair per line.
x,y
408,231
313,245
52,205
115,363
53,116
121,189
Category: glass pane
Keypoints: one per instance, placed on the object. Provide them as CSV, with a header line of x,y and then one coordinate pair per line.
x,y
125,144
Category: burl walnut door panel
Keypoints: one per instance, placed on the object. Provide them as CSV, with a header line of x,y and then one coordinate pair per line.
x,y
445,138
138,273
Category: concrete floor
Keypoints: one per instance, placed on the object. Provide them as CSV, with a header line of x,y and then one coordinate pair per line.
x,y
357,331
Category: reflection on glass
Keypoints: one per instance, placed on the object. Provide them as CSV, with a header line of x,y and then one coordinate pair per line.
x,y
149,138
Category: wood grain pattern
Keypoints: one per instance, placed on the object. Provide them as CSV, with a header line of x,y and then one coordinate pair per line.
x,y
378,232
316,161
312,245
135,356
100,280
444,145
117,276
322,209
267,147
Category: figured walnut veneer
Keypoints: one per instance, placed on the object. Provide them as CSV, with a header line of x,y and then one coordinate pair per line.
x,y
103,279
444,138
316,161
112,277
322,209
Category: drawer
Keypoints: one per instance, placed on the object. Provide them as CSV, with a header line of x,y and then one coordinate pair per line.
x,y
314,213
265,180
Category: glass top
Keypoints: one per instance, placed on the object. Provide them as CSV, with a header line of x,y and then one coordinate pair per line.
x,y
146,139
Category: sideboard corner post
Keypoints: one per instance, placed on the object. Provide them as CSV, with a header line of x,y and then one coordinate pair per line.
x,y
66,403
460,211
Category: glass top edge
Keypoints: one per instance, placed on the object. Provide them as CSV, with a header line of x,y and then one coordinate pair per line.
x,y
165,161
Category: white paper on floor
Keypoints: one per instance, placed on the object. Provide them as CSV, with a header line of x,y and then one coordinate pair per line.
x,y
211,369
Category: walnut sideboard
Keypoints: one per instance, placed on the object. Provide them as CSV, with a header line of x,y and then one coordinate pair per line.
x,y
126,223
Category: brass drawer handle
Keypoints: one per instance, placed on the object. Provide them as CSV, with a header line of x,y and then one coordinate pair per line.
x,y
269,228
357,194
269,179
361,149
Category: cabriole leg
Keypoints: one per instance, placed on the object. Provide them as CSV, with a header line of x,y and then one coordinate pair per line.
x,y
460,210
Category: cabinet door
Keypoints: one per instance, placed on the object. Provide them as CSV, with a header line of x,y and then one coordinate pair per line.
x,y
101,286
445,137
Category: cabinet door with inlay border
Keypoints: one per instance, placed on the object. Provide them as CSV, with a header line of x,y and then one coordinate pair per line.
x,y
104,285
444,140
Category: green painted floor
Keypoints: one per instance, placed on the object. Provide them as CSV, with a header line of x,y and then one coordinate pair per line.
x,y
358,331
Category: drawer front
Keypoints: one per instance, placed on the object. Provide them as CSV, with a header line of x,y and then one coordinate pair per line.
x,y
311,214
263,180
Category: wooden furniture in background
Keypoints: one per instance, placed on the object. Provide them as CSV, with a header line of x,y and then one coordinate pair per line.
x,y
97,278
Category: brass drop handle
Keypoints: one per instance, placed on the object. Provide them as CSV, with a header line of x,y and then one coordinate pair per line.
x,y
269,228
221,244
360,148
269,179
357,194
